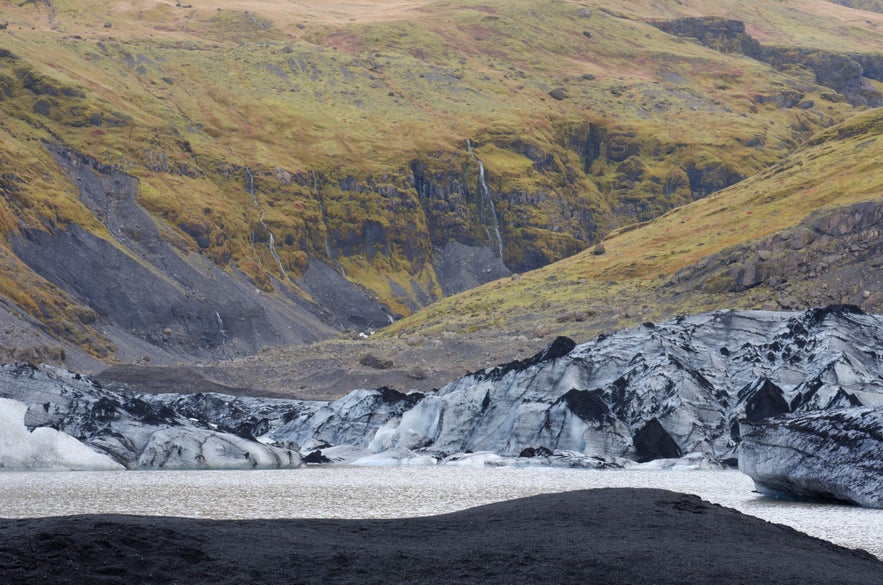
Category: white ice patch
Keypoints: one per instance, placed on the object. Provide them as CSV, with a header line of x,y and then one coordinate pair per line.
x,y
43,448
689,462
385,437
484,459
395,457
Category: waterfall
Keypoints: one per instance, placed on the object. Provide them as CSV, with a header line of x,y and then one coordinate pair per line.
x,y
488,200
328,252
220,323
249,186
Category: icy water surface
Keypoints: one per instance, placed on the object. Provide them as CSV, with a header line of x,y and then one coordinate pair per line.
x,y
393,492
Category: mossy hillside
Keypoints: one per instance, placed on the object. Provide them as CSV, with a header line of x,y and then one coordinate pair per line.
x,y
186,99
623,283
40,300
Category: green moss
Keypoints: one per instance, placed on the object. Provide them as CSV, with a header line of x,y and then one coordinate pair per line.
x,y
370,100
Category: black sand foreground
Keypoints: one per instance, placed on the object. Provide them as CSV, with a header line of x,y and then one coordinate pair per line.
x,y
604,536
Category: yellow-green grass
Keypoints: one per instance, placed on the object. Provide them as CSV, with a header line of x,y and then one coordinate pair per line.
x,y
362,89
839,167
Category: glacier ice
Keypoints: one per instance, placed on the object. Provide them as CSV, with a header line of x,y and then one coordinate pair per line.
x,y
672,392
74,422
834,454
42,448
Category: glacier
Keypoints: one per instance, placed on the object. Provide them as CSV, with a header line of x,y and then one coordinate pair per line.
x,y
43,448
835,454
55,419
657,391
664,395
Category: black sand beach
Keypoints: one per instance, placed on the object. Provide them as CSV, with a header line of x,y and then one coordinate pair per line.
x,y
604,536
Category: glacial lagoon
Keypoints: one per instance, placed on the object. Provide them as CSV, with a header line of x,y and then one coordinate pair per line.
x,y
395,492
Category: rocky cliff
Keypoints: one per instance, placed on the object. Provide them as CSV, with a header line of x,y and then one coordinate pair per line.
x,y
833,252
848,74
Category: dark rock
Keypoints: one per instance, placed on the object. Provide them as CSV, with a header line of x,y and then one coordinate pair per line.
x,y
316,457
766,400
391,396
560,347
719,33
346,304
839,241
372,361
707,177
42,107
652,441
529,452
844,72
559,93
460,267
588,405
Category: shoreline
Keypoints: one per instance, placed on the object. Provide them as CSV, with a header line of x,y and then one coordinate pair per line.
x,y
604,535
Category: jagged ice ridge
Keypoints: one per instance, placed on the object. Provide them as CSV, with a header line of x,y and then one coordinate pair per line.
x,y
651,393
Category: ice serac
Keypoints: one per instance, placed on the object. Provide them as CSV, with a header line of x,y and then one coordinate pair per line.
x,y
54,419
668,391
42,448
656,391
835,454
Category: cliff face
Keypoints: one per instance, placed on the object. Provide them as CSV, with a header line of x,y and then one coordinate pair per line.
x,y
848,74
832,255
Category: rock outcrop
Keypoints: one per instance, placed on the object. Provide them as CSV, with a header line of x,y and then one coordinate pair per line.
x,y
169,303
846,73
830,454
835,245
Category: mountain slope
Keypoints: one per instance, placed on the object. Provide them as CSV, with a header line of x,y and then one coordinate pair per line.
x,y
295,169
803,233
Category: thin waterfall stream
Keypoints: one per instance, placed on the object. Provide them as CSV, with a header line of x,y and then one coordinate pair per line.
x,y
328,251
221,329
249,186
488,200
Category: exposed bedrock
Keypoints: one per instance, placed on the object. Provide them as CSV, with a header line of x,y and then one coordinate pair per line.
x,y
342,303
460,267
830,454
841,246
846,73
177,303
